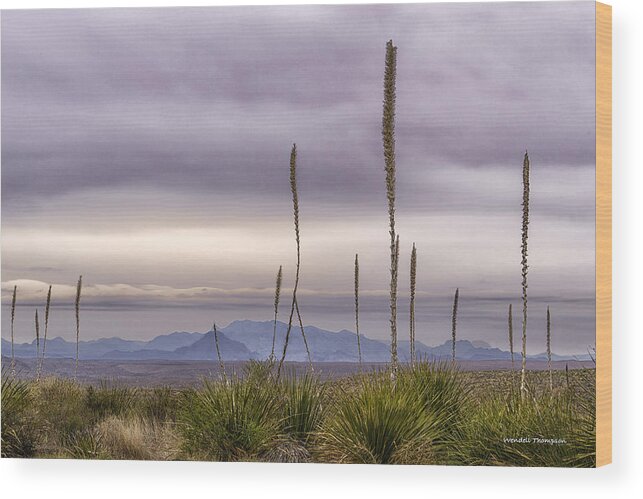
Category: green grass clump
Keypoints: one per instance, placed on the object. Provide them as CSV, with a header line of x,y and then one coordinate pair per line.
x,y
235,420
553,430
383,422
18,432
110,400
304,406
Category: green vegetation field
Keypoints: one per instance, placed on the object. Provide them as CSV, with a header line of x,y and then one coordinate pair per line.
x,y
431,414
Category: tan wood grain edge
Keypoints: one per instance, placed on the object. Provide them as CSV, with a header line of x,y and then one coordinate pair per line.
x,y
603,234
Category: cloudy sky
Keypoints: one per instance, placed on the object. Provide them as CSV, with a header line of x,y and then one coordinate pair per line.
x,y
148,150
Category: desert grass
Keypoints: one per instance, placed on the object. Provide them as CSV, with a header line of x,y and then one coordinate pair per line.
x,y
454,323
413,278
44,341
356,276
13,319
388,141
294,305
137,438
277,295
79,287
524,269
432,413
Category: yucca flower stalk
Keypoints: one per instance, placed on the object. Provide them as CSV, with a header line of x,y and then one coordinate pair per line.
x,y
359,346
412,304
79,288
510,323
216,343
12,370
525,267
303,334
294,304
388,141
44,340
551,378
454,319
37,325
274,329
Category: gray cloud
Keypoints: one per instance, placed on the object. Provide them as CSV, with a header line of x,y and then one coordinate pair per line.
x,y
151,146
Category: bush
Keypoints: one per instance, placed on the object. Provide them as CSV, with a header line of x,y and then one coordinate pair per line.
x,y
303,406
18,431
381,423
551,429
235,420
136,438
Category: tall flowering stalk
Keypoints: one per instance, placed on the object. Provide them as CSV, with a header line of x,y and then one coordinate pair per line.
x,y
388,141
294,305
274,327
37,324
12,369
412,304
454,319
79,287
510,324
551,378
359,346
525,267
44,340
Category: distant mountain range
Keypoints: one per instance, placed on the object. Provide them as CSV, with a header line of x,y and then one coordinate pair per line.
x,y
244,340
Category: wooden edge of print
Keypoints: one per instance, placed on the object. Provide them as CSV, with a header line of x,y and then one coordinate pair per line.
x,y
603,234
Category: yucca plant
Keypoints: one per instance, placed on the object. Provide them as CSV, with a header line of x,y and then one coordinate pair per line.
x,y
382,422
303,405
274,329
18,435
413,273
79,287
359,346
525,267
454,320
235,421
294,305
388,140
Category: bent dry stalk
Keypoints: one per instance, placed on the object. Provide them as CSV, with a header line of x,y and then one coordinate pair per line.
x,y
388,142
412,303
216,343
293,305
79,288
37,325
359,346
524,269
274,329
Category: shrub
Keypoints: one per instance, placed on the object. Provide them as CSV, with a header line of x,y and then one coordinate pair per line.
x,y
378,424
136,438
18,431
303,406
231,421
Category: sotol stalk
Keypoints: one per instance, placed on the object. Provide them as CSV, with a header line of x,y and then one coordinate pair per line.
x,y
454,320
294,305
79,288
12,370
412,304
274,328
525,267
388,140
510,323
359,346
551,378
